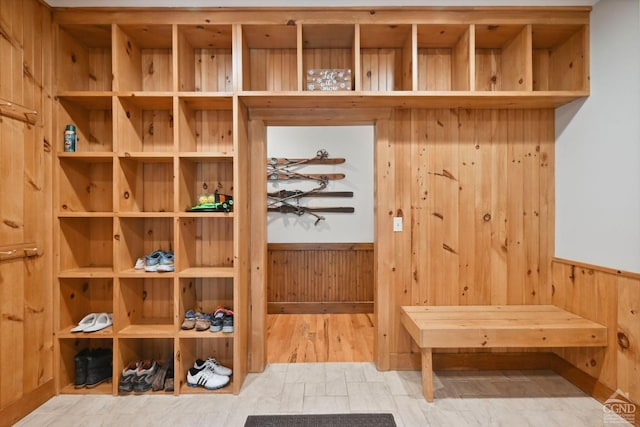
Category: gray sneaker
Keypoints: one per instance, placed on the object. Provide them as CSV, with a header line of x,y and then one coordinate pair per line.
x,y
144,376
128,376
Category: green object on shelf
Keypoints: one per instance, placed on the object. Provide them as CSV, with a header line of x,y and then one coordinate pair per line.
x,y
225,204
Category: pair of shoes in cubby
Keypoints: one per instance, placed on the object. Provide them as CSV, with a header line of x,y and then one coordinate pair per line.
x,y
157,261
93,367
196,320
222,320
94,322
209,374
138,376
163,379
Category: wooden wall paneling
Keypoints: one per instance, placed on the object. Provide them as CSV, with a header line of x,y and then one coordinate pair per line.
x,y
435,216
404,173
386,57
607,306
300,71
93,119
611,298
515,208
317,278
12,227
461,61
569,63
358,61
328,46
475,206
271,57
408,59
516,62
83,59
482,208
184,61
499,190
531,207
126,62
242,59
205,61
628,337
546,159
214,131
584,304
38,196
420,209
384,244
25,168
241,243
468,285
448,189
540,67
44,82
488,68
12,327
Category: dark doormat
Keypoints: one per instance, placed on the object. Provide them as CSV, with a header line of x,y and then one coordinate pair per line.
x,y
321,420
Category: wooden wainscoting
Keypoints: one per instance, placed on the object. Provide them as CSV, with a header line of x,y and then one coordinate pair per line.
x,y
320,278
612,298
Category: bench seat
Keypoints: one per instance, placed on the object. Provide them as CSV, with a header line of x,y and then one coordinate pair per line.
x,y
489,326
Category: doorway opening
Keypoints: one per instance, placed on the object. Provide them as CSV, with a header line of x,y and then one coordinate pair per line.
x,y
320,240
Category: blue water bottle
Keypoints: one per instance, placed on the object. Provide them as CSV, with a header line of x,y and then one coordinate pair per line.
x,y
70,138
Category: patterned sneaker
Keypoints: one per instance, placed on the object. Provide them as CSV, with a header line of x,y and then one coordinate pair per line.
x,y
152,261
206,378
203,322
166,264
144,376
213,365
128,376
216,321
227,322
189,321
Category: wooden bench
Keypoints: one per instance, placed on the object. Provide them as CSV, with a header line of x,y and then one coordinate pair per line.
x,y
487,326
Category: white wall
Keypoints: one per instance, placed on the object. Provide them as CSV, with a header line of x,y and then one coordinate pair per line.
x,y
598,148
353,143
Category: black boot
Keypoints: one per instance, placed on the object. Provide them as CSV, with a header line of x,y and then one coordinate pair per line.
x,y
99,366
80,360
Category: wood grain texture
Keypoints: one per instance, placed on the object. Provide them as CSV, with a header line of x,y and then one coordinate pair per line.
x,y
26,160
299,338
320,273
451,173
472,193
613,299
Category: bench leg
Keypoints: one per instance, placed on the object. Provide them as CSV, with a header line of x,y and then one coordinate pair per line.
x,y
427,374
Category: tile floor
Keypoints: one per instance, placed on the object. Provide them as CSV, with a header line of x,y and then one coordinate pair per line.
x,y
509,398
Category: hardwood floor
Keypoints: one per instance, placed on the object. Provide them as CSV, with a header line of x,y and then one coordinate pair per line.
x,y
298,338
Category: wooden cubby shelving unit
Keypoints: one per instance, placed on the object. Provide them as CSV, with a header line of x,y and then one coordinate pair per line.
x,y
162,113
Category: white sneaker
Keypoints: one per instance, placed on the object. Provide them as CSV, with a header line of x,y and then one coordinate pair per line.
x,y
206,378
214,366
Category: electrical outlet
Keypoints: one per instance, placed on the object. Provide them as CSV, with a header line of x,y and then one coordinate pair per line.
x,y
397,223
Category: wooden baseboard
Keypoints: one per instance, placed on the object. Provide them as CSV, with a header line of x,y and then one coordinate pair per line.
x,y
319,307
29,402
